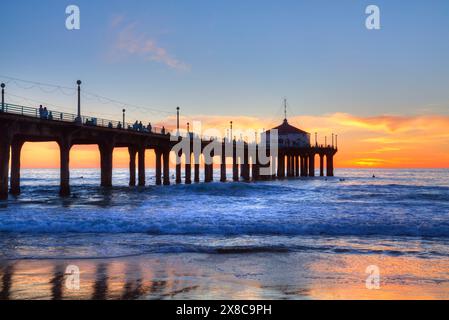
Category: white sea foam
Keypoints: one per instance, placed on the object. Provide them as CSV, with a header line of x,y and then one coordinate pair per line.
x,y
397,204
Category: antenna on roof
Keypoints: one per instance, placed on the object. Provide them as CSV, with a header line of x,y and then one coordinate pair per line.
x,y
285,109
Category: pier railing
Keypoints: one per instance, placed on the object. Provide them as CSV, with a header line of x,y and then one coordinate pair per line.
x,y
54,115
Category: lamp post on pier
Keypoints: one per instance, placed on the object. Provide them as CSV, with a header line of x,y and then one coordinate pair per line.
x,y
123,111
3,97
177,121
232,137
78,117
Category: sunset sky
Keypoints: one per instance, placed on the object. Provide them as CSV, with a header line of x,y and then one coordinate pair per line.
x,y
384,92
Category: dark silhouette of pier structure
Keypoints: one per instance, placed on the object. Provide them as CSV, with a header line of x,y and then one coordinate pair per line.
x,y
20,124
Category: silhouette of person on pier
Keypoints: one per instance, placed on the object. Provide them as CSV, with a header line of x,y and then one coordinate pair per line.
x,y
43,113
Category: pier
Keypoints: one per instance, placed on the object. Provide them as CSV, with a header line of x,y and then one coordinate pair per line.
x,y
21,124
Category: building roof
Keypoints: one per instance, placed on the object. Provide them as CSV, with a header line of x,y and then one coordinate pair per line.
x,y
286,128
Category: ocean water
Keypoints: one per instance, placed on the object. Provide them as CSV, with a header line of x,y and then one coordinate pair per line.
x,y
317,227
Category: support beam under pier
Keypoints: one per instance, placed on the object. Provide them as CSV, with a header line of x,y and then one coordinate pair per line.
x,y
330,165
188,169
302,160
235,166
141,165
132,166
223,162
106,151
158,154
208,173
255,165
166,157
281,166
196,171
321,165
245,165
312,165
16,148
297,166
178,168
290,166
306,166
5,145
64,150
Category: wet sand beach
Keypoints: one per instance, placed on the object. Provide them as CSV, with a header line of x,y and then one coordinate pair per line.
x,y
227,276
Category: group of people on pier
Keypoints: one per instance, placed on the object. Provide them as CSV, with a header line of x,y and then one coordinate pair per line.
x,y
138,126
44,113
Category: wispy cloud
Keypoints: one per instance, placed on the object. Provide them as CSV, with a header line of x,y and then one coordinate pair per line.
x,y
116,20
129,41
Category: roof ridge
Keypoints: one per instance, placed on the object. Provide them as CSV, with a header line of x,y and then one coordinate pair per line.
x,y
286,128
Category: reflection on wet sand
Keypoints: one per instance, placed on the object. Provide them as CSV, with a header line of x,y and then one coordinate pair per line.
x,y
257,276
114,279
100,289
133,289
57,282
400,278
7,273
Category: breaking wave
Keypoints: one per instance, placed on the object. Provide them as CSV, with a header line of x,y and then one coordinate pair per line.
x,y
396,204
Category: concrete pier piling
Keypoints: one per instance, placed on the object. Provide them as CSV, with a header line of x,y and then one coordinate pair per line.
x,y
132,150
5,146
64,151
166,161
106,150
158,155
141,165
16,149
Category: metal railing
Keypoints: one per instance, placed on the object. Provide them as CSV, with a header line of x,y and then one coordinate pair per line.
x,y
53,115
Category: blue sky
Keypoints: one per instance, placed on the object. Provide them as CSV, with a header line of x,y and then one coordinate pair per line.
x,y
233,57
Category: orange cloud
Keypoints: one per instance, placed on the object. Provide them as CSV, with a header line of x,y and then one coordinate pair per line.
x,y
395,141
386,141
